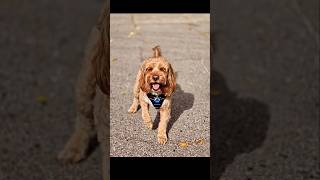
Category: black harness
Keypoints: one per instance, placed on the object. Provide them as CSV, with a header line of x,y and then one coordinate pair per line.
x,y
156,99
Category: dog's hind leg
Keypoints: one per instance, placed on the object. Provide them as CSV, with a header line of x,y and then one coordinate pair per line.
x,y
77,146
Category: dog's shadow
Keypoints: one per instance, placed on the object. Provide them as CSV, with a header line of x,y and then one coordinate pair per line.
x,y
181,101
238,125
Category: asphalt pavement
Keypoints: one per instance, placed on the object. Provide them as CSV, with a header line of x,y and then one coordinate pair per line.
x,y
266,111
185,42
41,48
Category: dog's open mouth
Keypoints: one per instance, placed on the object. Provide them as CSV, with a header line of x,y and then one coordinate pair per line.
x,y
155,87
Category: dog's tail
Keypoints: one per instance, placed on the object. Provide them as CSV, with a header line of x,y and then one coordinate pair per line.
x,y
156,51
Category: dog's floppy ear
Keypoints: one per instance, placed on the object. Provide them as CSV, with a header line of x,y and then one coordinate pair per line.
x,y
171,82
141,77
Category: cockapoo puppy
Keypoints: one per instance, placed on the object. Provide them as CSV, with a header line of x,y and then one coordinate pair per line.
x,y
154,85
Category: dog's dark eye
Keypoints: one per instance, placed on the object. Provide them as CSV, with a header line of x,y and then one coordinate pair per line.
x,y
149,69
163,69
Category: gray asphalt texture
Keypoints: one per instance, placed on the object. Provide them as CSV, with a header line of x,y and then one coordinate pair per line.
x,y
266,76
267,81
41,48
185,42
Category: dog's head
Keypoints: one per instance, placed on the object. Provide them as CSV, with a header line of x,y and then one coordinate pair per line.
x,y
157,75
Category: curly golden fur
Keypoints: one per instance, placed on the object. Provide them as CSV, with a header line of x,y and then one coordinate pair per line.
x,y
92,97
155,75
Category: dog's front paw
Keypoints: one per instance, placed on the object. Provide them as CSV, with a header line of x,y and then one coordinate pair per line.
x,y
162,138
70,155
75,149
149,124
133,108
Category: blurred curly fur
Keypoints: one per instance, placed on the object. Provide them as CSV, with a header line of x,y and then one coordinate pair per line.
x,y
92,97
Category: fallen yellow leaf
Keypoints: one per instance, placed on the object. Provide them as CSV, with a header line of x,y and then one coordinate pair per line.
x,y
114,59
131,34
199,141
42,99
216,92
183,144
205,34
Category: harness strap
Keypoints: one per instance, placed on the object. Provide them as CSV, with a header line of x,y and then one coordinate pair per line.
x,y
156,100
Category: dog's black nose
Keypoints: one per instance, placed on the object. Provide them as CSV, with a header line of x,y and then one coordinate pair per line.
x,y
155,77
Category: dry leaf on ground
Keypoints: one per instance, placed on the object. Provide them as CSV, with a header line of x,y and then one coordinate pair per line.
x,y
131,34
199,141
42,99
114,59
216,92
183,144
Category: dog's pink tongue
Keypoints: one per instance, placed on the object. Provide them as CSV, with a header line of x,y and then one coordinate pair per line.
x,y
155,86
